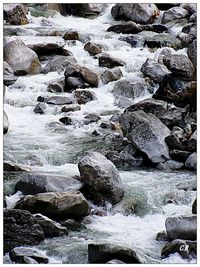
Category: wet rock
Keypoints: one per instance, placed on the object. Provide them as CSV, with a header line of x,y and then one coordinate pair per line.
x,y
159,28
192,52
90,118
179,155
40,108
66,120
14,167
34,183
170,165
174,13
109,62
162,236
55,87
59,63
139,13
133,40
191,7
100,177
115,262
59,100
102,253
176,246
111,75
22,59
93,48
191,162
20,229
146,132
83,96
163,40
192,142
183,227
194,207
105,125
50,227
15,14
154,70
193,18
41,99
63,205
29,260
72,83
71,108
89,76
186,39
6,123
8,74
174,140
126,28
18,254
71,35
95,133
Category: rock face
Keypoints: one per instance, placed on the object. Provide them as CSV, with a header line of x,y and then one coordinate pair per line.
x,y
191,162
101,178
70,204
15,14
147,133
174,13
181,227
20,229
102,253
139,13
8,74
22,59
6,123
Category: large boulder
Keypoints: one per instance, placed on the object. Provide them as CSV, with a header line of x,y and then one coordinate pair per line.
x,y
8,74
174,13
110,75
102,253
20,228
139,13
191,161
71,204
100,177
15,14
183,227
6,123
22,59
147,133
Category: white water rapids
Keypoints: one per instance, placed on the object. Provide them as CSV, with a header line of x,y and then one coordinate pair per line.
x,y
160,194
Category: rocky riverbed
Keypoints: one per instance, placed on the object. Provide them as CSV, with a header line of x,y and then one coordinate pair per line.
x,y
100,133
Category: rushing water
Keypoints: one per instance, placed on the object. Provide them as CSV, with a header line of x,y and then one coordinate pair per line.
x,y
150,196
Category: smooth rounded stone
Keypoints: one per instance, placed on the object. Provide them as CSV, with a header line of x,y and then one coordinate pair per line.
x,y
154,70
66,120
93,48
20,229
174,13
192,142
71,204
111,75
59,100
59,63
170,165
40,108
179,155
176,246
182,227
71,35
6,123
134,40
162,236
8,74
34,183
192,52
50,227
14,167
109,62
74,83
71,108
163,40
55,87
194,207
139,13
22,59
191,7
146,132
114,261
102,253
90,118
101,178
191,162
17,255
29,260
15,14
83,96
89,76
126,28
180,66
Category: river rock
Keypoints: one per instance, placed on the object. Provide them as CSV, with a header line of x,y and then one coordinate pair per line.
x,y
114,261
15,14
90,118
194,207
34,183
93,48
89,76
22,59
192,142
83,96
183,227
71,204
154,70
159,28
170,165
50,227
8,74
66,120
191,7
6,123
134,40
126,28
139,13
102,253
163,40
179,155
72,83
59,100
55,87
71,35
146,132
109,62
100,177
192,52
71,108
191,162
162,236
40,108
193,18
174,140
20,228
14,167
174,13
111,75
59,63
18,254
176,246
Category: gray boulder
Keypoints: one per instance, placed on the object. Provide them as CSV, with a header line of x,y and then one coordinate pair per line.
x,y
6,123
191,7
59,100
8,74
163,40
100,177
111,75
14,167
59,63
147,133
83,96
39,108
170,165
174,13
192,52
191,162
15,14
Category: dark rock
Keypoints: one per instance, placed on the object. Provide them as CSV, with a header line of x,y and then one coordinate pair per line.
x,y
170,165
159,28
183,227
162,236
40,108
139,13
73,83
163,40
174,13
6,123
105,125
91,118
93,48
179,155
102,253
186,39
17,255
71,35
71,204
192,52
109,62
126,28
166,6
95,133
83,96
40,99
191,161
100,177
174,117
59,63
8,74
133,40
66,120
72,107
20,229
13,167
29,260
89,76
194,207
174,140
114,261
192,142
176,246
15,14
111,75
59,100
55,87
146,132
193,18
